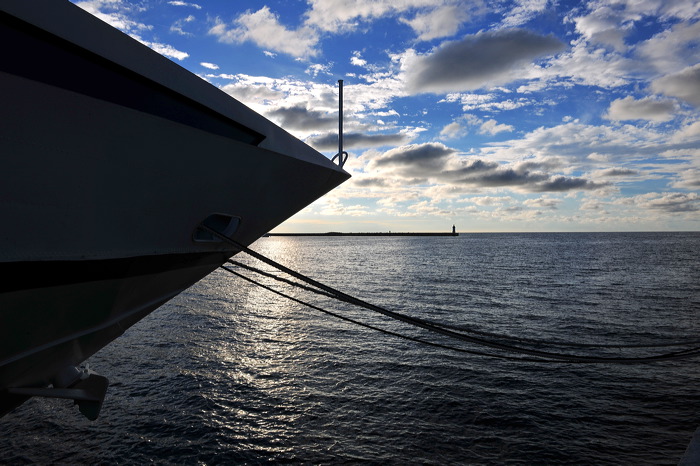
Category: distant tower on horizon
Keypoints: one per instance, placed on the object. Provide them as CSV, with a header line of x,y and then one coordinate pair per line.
x,y
454,232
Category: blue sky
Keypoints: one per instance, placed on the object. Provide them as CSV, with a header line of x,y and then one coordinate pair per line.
x,y
530,115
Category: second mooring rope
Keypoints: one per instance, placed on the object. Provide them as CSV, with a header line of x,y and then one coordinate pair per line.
x,y
522,347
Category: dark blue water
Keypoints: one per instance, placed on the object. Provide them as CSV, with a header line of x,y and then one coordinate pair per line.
x,y
230,373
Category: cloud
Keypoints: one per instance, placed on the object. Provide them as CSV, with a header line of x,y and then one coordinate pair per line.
x,y
210,66
524,11
685,85
669,202
300,118
486,102
543,203
342,16
357,140
357,59
440,22
178,25
116,14
264,29
604,26
492,127
318,68
643,109
689,179
690,132
578,143
180,3
490,200
458,128
163,49
589,66
250,93
453,131
485,59
414,160
437,163
561,183
674,48
369,182
615,171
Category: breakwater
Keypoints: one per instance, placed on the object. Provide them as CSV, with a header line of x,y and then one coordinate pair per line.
x,y
390,233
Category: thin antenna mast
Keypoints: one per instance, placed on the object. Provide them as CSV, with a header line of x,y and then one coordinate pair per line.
x,y
342,156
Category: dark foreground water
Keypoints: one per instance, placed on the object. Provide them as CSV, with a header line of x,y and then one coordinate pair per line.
x,y
229,373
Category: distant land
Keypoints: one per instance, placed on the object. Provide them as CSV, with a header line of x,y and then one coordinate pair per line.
x,y
390,233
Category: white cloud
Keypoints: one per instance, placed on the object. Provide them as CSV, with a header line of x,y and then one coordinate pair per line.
x,y
118,14
486,102
588,66
687,133
543,203
523,12
674,48
492,127
256,92
181,3
441,22
688,179
452,130
679,9
458,128
264,29
178,25
318,68
643,109
163,49
669,202
578,145
604,25
115,13
210,66
490,200
343,16
357,59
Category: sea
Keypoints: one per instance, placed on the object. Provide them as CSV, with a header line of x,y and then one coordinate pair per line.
x,y
229,372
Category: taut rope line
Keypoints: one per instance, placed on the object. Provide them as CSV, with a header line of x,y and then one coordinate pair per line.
x,y
540,356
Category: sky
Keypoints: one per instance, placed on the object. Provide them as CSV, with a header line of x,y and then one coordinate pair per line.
x,y
502,116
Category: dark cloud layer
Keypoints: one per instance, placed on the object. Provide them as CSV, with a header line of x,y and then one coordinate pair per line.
x,y
672,202
684,85
357,140
437,163
300,118
422,156
479,60
618,172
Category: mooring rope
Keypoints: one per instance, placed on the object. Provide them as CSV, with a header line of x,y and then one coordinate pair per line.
x,y
540,356
379,329
464,329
